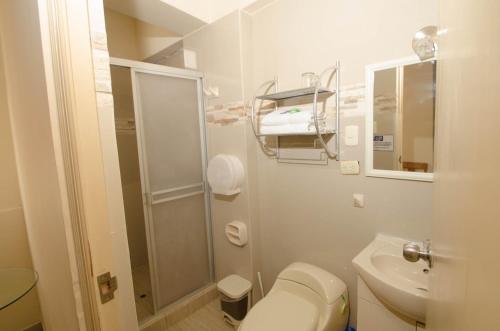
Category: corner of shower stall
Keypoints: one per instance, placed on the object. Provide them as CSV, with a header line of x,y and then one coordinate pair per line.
x,y
160,130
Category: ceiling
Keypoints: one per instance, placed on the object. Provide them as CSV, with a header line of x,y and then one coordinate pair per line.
x,y
183,16
158,13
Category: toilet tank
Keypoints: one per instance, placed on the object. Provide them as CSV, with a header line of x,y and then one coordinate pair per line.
x,y
327,286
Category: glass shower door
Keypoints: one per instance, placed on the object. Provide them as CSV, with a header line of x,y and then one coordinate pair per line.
x,y
169,117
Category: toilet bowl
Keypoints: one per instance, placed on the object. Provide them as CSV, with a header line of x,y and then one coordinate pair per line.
x,y
303,298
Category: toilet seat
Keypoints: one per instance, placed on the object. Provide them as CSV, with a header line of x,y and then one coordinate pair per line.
x,y
282,310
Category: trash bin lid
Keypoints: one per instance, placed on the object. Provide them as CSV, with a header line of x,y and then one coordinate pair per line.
x,y
234,286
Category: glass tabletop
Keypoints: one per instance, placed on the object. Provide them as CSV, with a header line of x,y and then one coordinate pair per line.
x,y
14,284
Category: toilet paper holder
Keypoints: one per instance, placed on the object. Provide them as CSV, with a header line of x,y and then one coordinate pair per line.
x,y
236,232
225,174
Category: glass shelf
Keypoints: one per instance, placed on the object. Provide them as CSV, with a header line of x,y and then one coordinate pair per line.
x,y
301,92
285,134
14,284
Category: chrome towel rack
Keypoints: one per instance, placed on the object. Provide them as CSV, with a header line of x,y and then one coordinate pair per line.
x,y
325,91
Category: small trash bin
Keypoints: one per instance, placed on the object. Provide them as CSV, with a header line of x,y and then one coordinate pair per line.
x,y
235,298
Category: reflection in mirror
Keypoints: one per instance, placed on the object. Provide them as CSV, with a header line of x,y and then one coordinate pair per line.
x,y
403,117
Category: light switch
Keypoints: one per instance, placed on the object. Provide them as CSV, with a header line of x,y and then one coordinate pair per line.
x,y
190,59
359,200
349,167
351,135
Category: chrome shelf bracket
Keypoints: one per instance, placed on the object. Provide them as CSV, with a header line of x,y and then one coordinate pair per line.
x,y
333,76
266,87
334,72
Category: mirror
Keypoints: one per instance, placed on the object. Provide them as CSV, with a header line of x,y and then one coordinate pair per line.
x,y
401,102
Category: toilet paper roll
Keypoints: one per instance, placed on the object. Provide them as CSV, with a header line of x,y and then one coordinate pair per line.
x,y
225,174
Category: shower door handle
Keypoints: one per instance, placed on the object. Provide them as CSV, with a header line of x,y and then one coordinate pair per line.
x,y
176,193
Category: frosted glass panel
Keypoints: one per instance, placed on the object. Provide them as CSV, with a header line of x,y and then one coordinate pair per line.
x,y
181,246
171,130
171,152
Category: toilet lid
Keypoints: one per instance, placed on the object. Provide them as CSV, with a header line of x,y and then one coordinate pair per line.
x,y
281,311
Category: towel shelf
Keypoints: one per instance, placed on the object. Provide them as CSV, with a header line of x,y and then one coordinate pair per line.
x,y
313,133
302,92
315,92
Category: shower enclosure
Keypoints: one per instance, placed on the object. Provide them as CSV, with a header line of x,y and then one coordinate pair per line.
x,y
161,144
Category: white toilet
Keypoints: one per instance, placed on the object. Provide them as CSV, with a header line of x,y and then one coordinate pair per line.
x,y
303,298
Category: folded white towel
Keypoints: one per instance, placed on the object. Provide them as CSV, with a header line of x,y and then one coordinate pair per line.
x,y
293,120
296,128
285,129
288,115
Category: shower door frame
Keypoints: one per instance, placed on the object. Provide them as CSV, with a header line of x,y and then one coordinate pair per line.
x,y
160,70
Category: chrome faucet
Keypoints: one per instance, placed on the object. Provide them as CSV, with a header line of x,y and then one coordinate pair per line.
x,y
413,253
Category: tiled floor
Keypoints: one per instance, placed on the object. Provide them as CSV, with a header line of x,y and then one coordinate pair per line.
x,y
207,318
142,292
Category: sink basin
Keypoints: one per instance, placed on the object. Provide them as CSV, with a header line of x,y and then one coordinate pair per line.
x,y
400,284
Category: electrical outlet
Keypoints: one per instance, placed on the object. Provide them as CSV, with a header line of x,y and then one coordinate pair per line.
x,y
190,61
359,200
351,135
349,167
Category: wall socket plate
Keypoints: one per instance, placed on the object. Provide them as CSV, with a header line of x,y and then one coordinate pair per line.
x,y
359,200
349,167
351,135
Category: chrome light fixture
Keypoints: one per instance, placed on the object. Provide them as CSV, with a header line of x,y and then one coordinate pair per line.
x,y
424,42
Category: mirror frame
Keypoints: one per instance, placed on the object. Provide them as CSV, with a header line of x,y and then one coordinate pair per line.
x,y
369,170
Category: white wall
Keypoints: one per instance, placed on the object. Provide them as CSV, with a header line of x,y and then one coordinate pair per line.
x,y
220,50
152,39
212,10
133,39
229,258
200,9
221,8
306,212
300,212
121,35
37,163
182,16
14,246
217,46
291,36
464,285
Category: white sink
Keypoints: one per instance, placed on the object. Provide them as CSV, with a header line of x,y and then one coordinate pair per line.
x,y
400,284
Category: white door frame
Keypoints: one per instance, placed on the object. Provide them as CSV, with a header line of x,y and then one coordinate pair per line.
x,y
71,151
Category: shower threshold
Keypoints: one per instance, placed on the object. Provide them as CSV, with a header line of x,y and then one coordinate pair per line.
x,y
182,308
